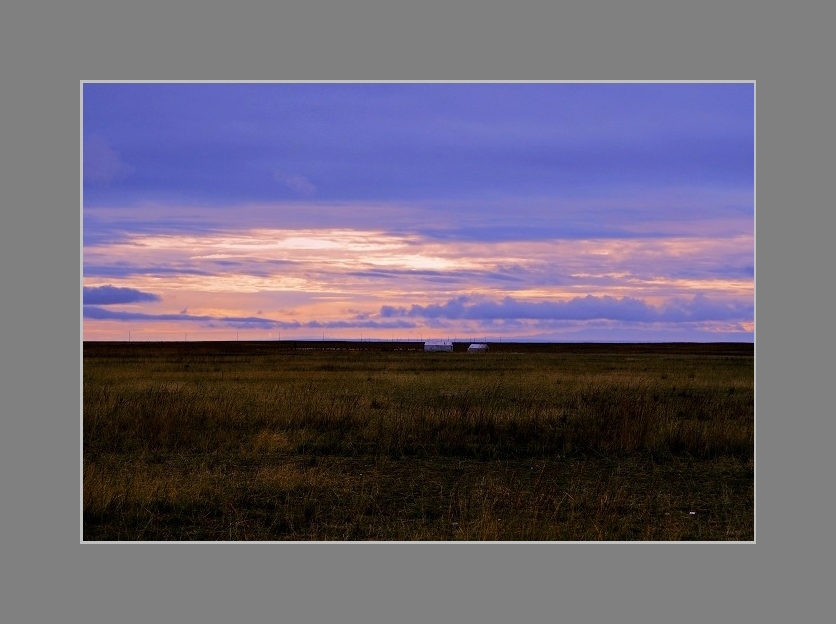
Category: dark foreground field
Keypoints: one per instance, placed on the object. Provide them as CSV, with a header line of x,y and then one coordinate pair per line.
x,y
259,441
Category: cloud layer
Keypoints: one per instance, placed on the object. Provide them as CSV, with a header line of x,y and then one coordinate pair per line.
x,y
533,210
111,295
590,307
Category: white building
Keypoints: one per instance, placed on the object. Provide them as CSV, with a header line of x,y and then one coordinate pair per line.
x,y
477,347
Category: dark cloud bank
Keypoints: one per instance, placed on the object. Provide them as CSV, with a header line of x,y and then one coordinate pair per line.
x,y
700,308
111,295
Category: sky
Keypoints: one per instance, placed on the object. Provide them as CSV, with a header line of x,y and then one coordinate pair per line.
x,y
617,212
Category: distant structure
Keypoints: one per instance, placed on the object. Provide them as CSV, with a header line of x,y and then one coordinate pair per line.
x,y
442,346
477,347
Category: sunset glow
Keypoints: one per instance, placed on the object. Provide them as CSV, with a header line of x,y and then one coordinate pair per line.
x,y
521,211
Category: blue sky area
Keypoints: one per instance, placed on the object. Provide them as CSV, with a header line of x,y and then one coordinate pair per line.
x,y
531,211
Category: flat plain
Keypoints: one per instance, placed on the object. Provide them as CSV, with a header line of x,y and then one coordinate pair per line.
x,y
278,441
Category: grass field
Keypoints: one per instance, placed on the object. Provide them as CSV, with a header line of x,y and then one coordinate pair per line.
x,y
264,441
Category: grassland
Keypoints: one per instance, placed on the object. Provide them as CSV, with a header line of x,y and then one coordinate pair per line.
x,y
258,441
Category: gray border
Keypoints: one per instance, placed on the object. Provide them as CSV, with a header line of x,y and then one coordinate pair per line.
x,y
48,576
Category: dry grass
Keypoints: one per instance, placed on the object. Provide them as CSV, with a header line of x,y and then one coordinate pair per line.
x,y
192,443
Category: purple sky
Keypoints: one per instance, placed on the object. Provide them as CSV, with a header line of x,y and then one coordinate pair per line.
x,y
527,211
